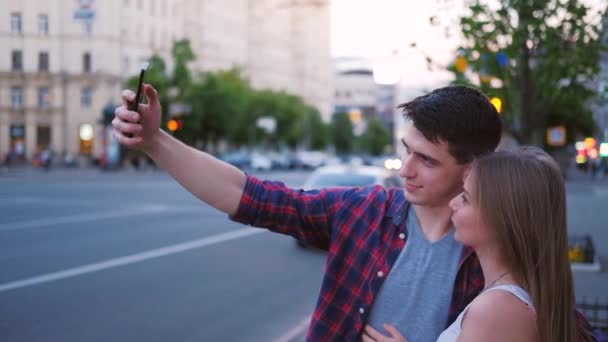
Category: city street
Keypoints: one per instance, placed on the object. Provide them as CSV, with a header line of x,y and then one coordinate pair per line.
x,y
134,257
131,256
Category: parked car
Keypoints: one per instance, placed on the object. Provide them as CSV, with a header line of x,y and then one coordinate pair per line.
x,y
239,159
352,175
260,162
311,159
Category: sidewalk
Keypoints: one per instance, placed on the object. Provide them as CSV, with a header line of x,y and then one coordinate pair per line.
x,y
579,176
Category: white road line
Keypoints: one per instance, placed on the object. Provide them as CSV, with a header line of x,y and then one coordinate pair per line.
x,y
130,259
297,334
82,217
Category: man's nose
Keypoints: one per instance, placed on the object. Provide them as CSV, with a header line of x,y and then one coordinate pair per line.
x,y
407,167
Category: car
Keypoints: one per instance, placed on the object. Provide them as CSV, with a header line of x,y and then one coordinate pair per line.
x,y
350,175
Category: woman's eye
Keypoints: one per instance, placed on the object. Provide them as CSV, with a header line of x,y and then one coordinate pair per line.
x,y
464,198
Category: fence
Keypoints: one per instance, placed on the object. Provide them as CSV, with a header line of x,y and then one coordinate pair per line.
x,y
597,315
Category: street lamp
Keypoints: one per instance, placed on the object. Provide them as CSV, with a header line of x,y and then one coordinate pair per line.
x,y
387,71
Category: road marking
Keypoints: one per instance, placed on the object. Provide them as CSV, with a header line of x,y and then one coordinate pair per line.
x,y
130,259
109,214
600,192
297,334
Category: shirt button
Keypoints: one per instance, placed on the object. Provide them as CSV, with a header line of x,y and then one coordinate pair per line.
x,y
402,236
380,274
361,311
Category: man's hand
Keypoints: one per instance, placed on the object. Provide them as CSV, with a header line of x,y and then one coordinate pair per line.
x,y
137,130
372,335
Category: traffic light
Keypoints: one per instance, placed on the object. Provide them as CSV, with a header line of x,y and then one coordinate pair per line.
x,y
175,125
461,64
497,102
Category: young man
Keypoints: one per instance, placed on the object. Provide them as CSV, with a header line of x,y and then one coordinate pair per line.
x,y
392,256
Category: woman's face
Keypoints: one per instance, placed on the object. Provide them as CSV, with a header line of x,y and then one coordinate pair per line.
x,y
471,229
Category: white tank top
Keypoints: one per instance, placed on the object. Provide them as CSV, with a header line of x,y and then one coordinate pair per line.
x,y
453,331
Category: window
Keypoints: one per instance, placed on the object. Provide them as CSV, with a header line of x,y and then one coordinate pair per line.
x,y
16,97
86,62
43,24
43,61
86,97
16,22
43,97
17,60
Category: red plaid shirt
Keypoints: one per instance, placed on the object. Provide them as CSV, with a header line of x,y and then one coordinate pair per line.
x,y
364,231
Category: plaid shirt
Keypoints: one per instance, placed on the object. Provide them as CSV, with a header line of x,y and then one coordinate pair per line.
x,y
364,231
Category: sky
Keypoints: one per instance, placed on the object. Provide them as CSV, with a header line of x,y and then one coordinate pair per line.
x,y
377,28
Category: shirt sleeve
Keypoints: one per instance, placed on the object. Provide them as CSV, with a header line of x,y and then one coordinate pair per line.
x,y
305,215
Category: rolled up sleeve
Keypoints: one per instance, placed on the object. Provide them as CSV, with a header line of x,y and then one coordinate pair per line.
x,y
305,215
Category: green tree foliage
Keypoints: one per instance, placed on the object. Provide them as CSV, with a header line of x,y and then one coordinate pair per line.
x,y
376,137
220,108
320,132
226,108
539,56
182,55
342,133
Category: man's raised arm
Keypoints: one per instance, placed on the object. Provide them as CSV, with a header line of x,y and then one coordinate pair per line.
x,y
215,182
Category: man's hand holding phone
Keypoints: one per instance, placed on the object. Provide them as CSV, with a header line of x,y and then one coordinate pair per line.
x,y
136,125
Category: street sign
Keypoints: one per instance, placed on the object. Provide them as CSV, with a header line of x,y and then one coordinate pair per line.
x,y
178,109
556,136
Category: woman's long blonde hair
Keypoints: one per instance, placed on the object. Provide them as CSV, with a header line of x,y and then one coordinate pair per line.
x,y
522,196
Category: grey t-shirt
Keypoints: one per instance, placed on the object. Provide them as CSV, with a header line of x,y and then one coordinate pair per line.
x,y
416,295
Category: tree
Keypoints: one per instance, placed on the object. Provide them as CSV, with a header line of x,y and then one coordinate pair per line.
x,y
220,103
538,55
182,55
376,137
342,133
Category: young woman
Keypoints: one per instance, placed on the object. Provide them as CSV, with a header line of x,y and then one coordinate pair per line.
x,y
513,213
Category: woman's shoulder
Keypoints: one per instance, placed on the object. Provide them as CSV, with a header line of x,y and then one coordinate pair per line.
x,y
499,316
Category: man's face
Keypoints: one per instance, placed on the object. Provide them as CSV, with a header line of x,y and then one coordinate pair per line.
x,y
432,175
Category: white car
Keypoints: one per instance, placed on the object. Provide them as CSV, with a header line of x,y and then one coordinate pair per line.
x,y
352,175
260,162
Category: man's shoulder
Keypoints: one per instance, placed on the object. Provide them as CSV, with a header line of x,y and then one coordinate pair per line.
x,y
390,200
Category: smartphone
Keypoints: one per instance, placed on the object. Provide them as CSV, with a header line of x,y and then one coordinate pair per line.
x,y
134,106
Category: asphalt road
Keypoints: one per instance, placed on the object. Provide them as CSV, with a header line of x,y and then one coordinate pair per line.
x,y
86,256
127,256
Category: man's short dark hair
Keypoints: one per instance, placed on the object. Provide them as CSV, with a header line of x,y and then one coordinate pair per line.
x,y
462,116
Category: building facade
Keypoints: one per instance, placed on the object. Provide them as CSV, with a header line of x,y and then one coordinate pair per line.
x,y
358,94
64,61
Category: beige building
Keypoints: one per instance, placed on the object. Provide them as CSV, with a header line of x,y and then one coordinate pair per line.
x,y
64,61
